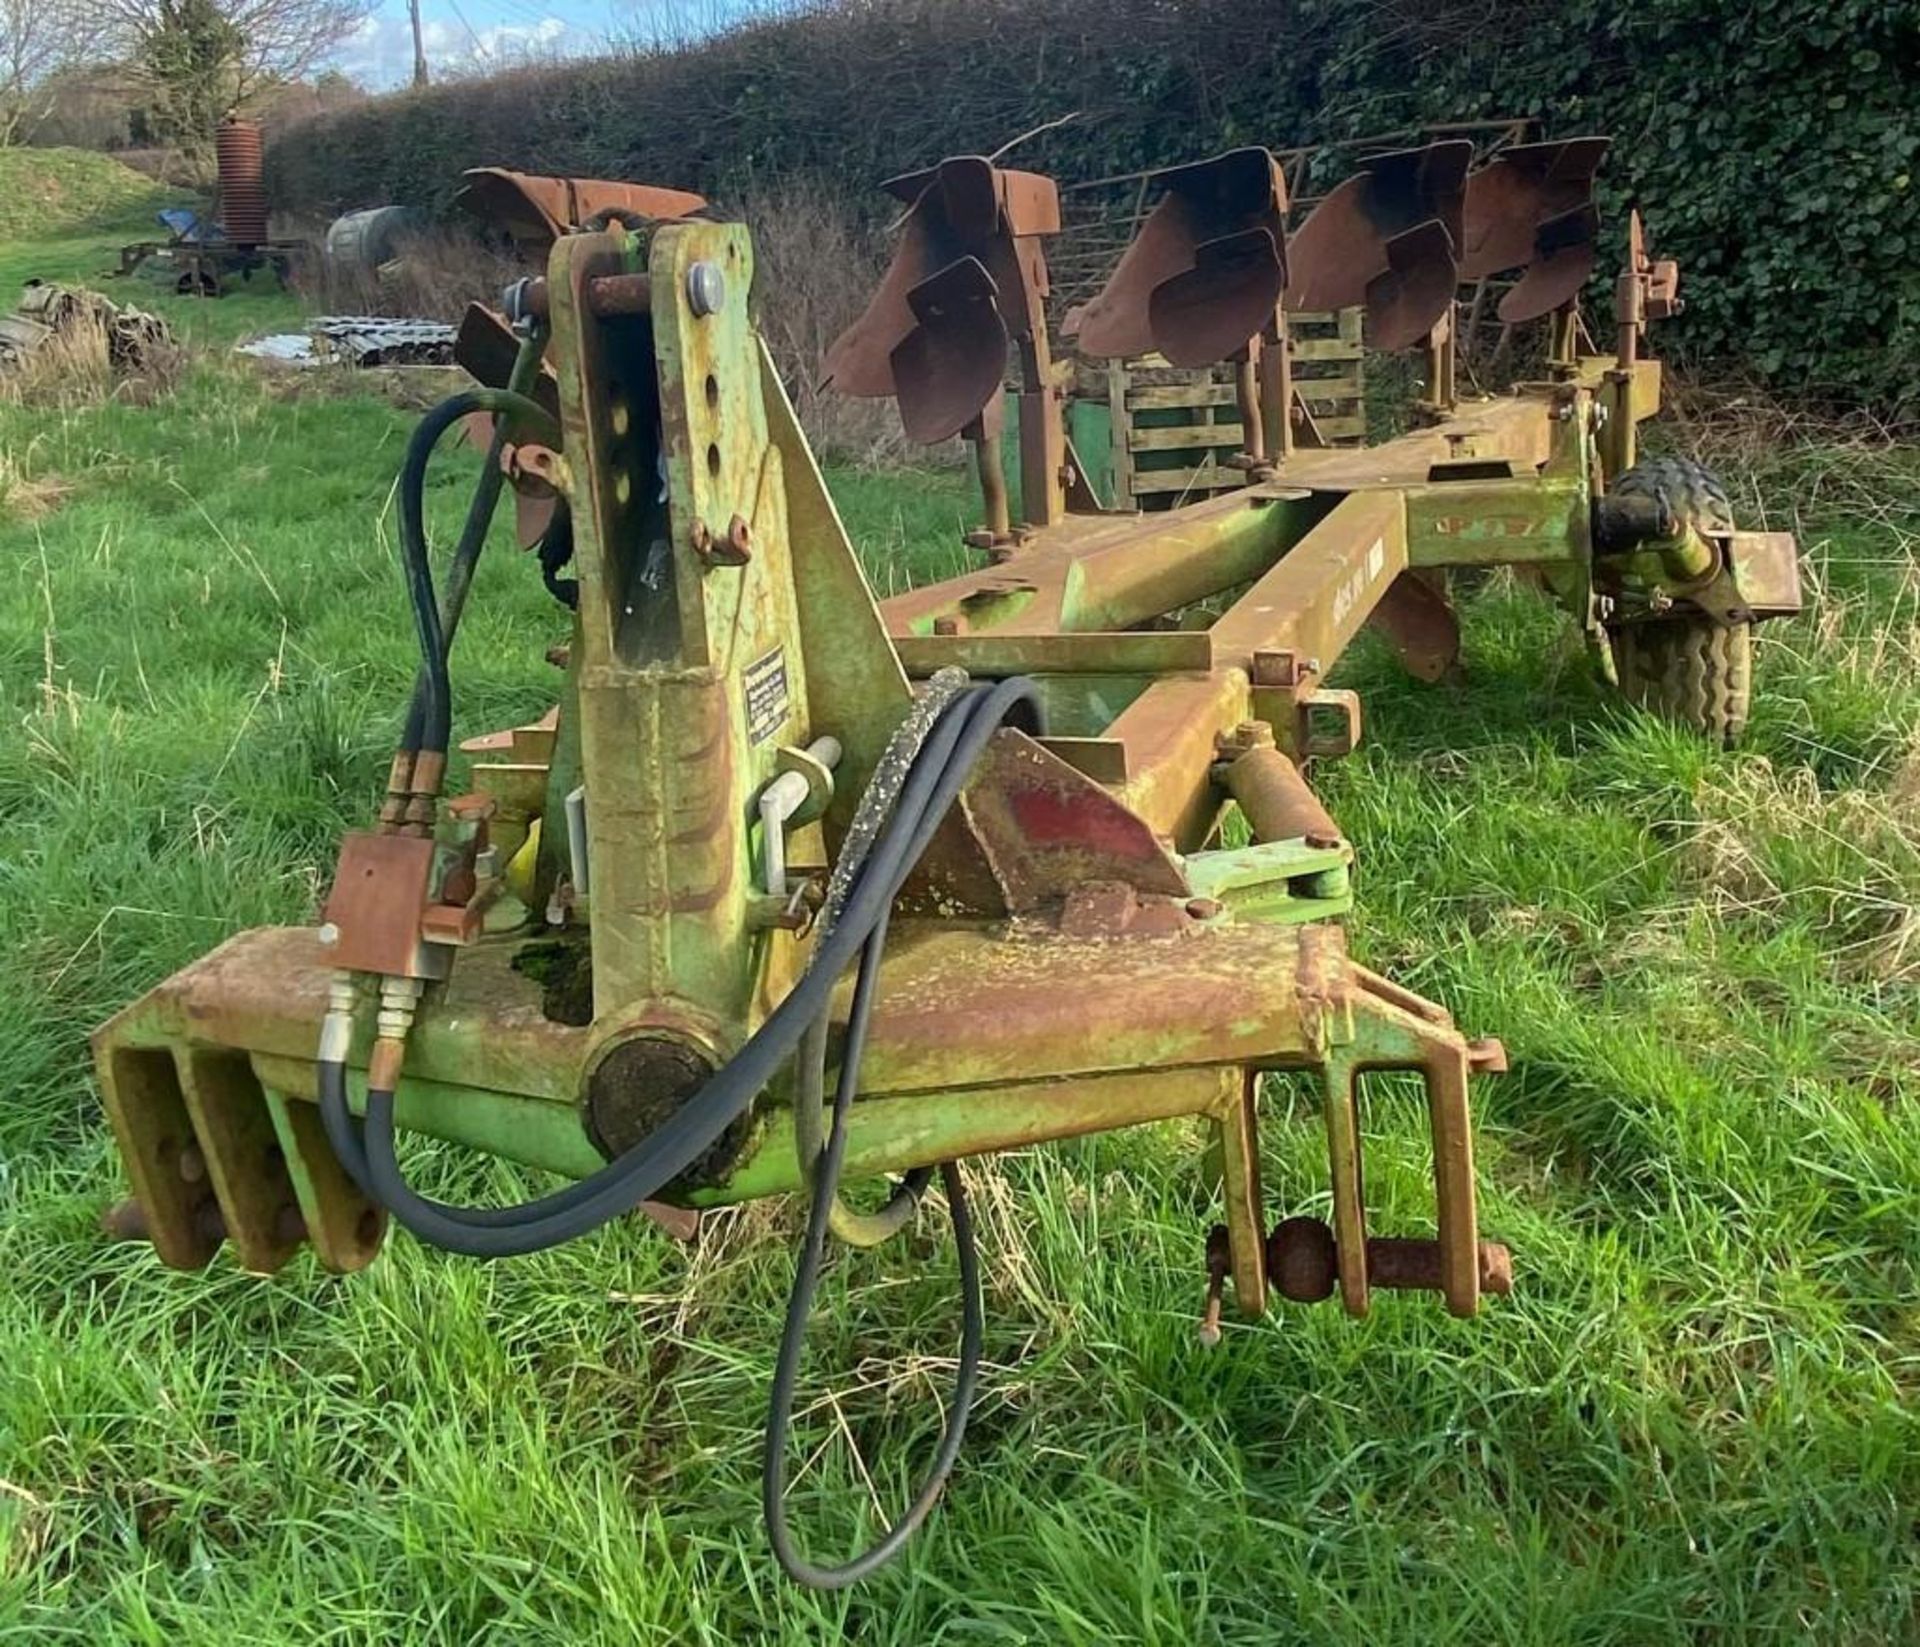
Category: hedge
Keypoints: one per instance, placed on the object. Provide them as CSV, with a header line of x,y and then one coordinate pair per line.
x,y
1771,146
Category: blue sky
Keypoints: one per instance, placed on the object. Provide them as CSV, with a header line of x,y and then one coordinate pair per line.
x,y
473,36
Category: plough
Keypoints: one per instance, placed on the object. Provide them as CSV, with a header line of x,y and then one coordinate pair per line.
x,y
736,919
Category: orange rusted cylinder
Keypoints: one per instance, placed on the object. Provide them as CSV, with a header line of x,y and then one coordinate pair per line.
x,y
1276,800
243,196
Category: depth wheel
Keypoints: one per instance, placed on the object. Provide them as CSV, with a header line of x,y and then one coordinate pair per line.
x,y
1687,668
1690,670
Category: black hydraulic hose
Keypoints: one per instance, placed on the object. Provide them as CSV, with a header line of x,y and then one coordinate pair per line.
x,y
666,1152
793,1335
876,806
473,534
654,1162
460,570
430,721
955,744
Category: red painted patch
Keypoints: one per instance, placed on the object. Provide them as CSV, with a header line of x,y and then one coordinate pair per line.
x,y
1049,818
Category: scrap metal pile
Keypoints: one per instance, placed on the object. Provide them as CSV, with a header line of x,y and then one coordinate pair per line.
x,y
48,312
359,340
795,889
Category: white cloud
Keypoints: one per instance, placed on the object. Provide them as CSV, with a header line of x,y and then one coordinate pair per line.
x,y
379,52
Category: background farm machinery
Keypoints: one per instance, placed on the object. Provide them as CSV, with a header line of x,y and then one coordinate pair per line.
x,y
793,889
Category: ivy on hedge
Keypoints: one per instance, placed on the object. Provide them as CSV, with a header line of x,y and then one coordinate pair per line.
x,y
1772,145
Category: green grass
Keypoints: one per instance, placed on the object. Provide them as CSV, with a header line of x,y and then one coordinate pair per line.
x,y
46,192
1694,1420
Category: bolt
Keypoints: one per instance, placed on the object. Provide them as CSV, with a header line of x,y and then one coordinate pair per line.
x,y
701,537
1203,909
740,537
1486,1056
706,288
946,626
329,934
1219,1261
1320,841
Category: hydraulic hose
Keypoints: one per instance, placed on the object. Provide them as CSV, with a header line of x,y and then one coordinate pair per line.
x,y
914,786
430,728
947,758
876,805
793,1335
473,534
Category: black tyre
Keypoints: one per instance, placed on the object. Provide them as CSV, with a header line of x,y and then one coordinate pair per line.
x,y
1687,667
1691,492
1691,670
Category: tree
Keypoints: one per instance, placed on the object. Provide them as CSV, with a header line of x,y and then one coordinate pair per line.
x,y
38,40
203,59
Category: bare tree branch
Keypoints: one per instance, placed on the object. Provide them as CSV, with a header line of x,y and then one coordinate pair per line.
x,y
38,40
204,59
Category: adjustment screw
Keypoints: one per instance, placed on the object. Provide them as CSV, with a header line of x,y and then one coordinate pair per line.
x,y
706,288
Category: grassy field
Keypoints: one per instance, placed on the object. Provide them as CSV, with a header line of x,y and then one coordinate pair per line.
x,y
1694,1420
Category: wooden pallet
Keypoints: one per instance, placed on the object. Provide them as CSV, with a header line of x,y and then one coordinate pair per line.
x,y
1173,432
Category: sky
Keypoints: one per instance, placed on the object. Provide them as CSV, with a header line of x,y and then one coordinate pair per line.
x,y
474,36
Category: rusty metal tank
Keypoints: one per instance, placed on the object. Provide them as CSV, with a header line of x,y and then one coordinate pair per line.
x,y
243,199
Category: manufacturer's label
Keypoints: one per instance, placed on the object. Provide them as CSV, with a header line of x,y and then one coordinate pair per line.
x,y
1349,593
769,702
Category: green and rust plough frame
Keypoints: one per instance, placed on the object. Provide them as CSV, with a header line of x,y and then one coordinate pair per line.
x,y
569,952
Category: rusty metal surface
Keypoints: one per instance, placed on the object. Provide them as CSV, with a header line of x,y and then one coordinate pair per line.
x,y
966,277
345,1228
1205,273
1075,900
1418,620
1531,207
967,280
381,888
947,367
1387,239
1279,805
1765,571
239,155
535,210
1214,998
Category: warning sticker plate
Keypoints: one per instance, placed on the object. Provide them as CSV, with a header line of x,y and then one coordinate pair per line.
x,y
768,700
